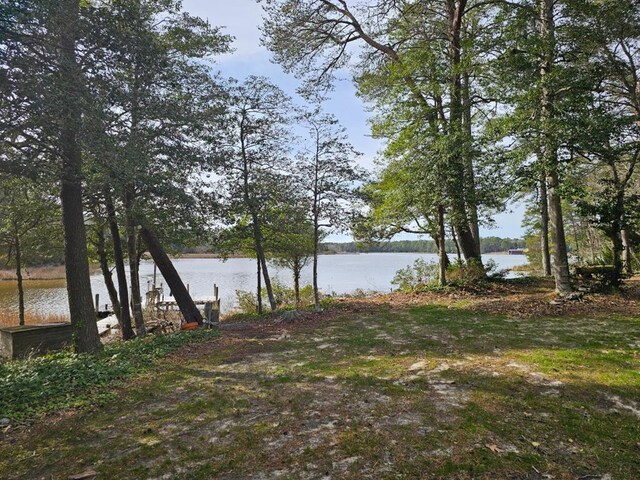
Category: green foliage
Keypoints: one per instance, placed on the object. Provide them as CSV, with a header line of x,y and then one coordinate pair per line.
x,y
423,275
247,302
30,220
417,276
473,273
62,380
284,296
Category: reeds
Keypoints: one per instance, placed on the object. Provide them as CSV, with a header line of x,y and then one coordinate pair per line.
x,y
10,319
50,272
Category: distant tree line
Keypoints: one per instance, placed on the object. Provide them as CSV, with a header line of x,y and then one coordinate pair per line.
x,y
488,245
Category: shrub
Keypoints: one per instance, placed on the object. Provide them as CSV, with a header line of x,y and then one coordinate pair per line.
x,y
416,276
284,296
462,274
247,302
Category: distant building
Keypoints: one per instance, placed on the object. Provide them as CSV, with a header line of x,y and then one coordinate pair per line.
x,y
516,251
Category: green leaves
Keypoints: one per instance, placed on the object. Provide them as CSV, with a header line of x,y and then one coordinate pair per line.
x,y
62,380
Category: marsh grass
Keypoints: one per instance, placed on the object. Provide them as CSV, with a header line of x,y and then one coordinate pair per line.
x,y
49,272
10,319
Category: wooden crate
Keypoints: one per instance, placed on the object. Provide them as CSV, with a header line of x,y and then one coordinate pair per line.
x,y
21,342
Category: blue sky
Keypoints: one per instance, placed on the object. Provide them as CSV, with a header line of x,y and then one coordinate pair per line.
x,y
241,19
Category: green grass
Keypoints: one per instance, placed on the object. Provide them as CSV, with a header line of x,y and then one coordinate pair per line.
x,y
416,392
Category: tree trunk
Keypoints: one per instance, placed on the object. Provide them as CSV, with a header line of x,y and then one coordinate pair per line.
x,y
457,244
296,283
461,169
469,171
550,153
560,256
83,315
18,246
189,311
118,257
132,252
257,236
106,274
316,291
544,230
442,249
626,244
618,248
259,297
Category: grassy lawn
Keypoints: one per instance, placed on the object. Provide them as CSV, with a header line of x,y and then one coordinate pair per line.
x,y
413,391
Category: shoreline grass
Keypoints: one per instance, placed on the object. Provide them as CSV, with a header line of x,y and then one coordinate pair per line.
x,y
48,272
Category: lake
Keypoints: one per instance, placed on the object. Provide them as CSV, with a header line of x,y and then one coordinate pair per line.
x,y
340,274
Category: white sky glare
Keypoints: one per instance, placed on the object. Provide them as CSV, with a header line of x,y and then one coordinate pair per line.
x,y
242,19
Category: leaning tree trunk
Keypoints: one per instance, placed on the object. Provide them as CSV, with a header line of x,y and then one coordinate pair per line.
x,y
132,253
106,274
188,308
267,282
550,153
544,230
259,286
83,315
18,247
118,257
457,244
257,237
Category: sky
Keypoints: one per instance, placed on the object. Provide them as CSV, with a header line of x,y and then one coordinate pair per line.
x,y
241,19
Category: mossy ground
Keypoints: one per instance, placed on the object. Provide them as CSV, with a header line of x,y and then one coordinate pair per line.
x,y
381,391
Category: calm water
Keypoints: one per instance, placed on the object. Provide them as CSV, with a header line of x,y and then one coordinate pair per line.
x,y
337,273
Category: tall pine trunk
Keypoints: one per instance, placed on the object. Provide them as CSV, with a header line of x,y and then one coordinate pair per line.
x,y
550,152
118,258
187,307
544,230
83,315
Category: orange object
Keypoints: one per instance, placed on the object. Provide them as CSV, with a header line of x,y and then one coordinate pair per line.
x,y
190,326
